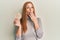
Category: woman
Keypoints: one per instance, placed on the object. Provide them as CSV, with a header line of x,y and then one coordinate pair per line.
x,y
29,26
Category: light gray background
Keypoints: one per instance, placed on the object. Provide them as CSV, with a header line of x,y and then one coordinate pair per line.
x,y
47,10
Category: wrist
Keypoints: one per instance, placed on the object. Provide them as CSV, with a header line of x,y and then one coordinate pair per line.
x,y
36,25
35,22
19,27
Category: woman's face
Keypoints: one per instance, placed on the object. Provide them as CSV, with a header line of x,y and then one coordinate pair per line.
x,y
29,8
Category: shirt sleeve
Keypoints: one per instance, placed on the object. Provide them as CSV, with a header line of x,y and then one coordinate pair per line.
x,y
17,37
39,31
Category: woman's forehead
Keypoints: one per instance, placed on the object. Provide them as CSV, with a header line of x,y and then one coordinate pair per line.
x,y
29,4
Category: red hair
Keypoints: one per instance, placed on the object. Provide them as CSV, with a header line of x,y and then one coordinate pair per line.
x,y
24,16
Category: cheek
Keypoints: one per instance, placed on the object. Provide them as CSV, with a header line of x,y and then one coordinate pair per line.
x,y
32,10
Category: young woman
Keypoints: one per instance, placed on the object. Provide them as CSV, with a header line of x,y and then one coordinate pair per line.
x,y
29,26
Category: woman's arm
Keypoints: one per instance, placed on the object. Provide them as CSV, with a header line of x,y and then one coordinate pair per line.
x,y
18,33
18,26
38,28
37,25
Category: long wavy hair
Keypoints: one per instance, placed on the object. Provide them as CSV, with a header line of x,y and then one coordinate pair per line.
x,y
24,16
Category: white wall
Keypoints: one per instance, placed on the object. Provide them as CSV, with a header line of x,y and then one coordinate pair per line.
x,y
48,10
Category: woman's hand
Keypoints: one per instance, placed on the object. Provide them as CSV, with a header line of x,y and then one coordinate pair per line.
x,y
17,23
34,19
17,20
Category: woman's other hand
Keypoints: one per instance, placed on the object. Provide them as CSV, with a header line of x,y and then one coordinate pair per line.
x,y
17,20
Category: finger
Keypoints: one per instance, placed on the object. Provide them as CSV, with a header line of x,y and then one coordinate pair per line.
x,y
32,14
29,15
18,16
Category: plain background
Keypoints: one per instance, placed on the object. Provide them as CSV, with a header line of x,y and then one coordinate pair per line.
x,y
47,10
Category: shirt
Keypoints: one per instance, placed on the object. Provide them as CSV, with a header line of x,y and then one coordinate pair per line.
x,y
31,33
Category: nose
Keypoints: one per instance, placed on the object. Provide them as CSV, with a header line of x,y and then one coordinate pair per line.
x,y
30,9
